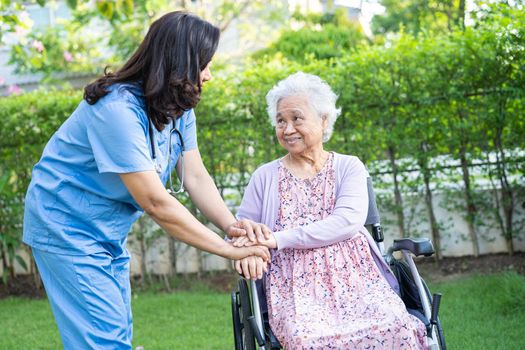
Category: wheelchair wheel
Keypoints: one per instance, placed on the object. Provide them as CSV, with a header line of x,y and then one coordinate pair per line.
x,y
236,318
439,329
247,336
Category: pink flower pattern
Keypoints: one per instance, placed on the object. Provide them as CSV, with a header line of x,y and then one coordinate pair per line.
x,y
332,297
38,45
14,90
68,57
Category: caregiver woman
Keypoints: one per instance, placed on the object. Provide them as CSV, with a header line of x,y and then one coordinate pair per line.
x,y
107,164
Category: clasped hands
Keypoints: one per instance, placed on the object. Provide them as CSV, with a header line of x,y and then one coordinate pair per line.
x,y
247,233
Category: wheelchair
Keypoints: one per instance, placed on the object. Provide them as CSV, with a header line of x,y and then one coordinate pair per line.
x,y
251,328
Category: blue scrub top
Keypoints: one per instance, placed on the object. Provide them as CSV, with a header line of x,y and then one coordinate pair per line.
x,y
76,203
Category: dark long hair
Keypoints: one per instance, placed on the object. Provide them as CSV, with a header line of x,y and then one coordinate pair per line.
x,y
167,65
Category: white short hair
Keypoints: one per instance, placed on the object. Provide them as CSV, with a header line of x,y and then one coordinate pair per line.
x,y
318,93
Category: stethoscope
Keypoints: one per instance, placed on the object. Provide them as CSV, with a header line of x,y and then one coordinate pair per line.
x,y
158,166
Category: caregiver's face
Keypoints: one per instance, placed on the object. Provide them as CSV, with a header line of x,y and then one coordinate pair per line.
x,y
205,74
298,127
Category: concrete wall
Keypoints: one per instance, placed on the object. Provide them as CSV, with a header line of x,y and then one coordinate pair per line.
x,y
454,238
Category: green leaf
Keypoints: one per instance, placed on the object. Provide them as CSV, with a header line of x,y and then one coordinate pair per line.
x,y
128,7
72,3
21,262
106,8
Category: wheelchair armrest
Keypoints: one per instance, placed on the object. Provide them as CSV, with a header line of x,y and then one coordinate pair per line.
x,y
417,246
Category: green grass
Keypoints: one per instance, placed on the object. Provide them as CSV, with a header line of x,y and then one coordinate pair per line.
x,y
484,312
27,324
481,312
182,320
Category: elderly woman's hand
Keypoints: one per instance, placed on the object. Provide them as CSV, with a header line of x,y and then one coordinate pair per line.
x,y
249,229
251,267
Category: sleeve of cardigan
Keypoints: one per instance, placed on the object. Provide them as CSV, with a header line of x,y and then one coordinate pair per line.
x,y
251,204
348,217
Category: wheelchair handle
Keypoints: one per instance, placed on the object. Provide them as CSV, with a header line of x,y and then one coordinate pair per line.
x,y
436,301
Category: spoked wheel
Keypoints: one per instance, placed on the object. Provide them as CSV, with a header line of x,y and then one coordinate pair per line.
x,y
248,338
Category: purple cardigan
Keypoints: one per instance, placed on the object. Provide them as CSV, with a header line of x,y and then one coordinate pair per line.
x,y
261,204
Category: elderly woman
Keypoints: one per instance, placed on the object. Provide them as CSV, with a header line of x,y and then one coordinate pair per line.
x,y
326,285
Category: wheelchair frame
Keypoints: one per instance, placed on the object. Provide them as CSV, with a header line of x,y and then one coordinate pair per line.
x,y
249,326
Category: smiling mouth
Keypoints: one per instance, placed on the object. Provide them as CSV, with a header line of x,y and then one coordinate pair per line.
x,y
292,139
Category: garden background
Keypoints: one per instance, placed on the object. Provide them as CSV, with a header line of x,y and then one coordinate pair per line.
x,y
433,103
436,112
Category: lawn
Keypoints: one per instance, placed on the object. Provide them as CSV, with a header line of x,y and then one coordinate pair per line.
x,y
484,312
481,312
182,320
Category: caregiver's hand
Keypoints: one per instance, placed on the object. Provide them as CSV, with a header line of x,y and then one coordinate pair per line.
x,y
238,253
251,267
248,229
243,241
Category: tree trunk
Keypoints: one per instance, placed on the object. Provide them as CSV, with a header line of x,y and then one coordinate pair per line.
x,y
143,268
143,249
5,268
200,259
397,192
37,280
507,197
8,261
471,207
33,271
434,228
12,273
172,252
167,282
498,209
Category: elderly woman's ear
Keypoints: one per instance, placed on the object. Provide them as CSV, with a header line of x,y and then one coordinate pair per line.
x,y
325,117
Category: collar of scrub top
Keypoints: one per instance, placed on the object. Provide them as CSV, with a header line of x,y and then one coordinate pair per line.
x,y
158,167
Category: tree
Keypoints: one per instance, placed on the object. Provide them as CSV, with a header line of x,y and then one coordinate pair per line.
x,y
415,16
319,36
12,17
501,113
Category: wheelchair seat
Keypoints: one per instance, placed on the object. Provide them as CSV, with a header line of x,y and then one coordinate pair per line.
x,y
413,291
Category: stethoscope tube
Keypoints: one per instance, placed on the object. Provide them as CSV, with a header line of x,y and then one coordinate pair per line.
x,y
158,167
152,138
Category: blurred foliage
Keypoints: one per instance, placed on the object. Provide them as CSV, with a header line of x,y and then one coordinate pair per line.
x,y
11,17
318,36
420,106
445,109
414,16
29,120
73,46
63,48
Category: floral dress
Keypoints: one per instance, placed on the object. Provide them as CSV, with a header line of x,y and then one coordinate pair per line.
x,y
332,297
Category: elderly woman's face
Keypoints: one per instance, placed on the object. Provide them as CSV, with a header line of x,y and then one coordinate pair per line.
x,y
298,127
